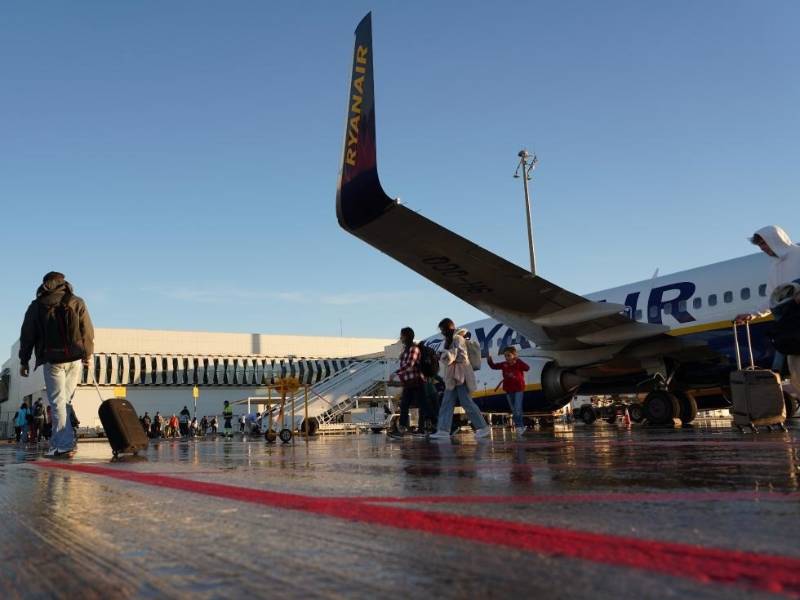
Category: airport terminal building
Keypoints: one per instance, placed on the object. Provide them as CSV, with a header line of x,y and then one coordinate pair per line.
x,y
159,369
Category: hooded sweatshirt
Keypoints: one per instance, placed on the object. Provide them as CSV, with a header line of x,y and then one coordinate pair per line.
x,y
31,336
785,267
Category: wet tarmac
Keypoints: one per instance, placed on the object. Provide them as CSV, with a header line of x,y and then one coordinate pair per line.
x,y
583,512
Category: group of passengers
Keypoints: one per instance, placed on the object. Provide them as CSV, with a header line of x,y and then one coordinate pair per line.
x,y
182,425
33,424
436,380
58,328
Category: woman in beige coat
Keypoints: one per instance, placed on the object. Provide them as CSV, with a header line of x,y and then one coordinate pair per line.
x,y
459,380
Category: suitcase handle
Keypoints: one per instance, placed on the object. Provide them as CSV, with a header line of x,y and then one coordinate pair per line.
x,y
749,345
97,387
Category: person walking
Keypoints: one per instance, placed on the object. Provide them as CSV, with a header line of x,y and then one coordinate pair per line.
x,y
58,327
37,429
459,379
185,417
158,421
227,415
21,423
784,269
513,383
413,382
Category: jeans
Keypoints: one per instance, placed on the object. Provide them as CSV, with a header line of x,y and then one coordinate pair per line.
x,y
414,393
61,380
515,400
793,361
448,404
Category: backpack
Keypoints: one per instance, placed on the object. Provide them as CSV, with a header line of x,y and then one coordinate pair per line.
x,y
61,333
428,363
474,354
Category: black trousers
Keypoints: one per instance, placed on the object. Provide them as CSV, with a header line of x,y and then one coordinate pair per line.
x,y
415,394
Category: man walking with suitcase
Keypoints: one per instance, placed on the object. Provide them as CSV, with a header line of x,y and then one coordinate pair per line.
x,y
58,327
784,269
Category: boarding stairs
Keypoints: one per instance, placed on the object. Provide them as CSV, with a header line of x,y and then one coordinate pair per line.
x,y
334,396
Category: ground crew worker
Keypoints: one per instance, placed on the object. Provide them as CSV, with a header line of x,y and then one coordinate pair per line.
x,y
227,415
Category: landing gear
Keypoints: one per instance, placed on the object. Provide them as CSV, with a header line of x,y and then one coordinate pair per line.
x,y
661,407
588,414
688,407
636,413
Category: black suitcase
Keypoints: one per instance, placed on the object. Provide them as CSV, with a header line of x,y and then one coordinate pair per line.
x,y
122,426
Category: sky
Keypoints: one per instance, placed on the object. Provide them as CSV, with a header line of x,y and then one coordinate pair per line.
x,y
178,160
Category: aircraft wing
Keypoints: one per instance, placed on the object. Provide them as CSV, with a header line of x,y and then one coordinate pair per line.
x,y
550,316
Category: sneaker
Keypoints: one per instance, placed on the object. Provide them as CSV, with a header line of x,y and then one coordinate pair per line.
x,y
439,435
519,430
483,432
395,435
56,453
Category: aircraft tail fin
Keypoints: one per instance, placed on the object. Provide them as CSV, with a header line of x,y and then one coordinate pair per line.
x,y
360,197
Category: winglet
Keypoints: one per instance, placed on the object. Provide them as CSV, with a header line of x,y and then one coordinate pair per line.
x,y
359,195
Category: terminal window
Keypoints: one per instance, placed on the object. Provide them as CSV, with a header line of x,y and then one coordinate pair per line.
x,y
697,302
727,297
745,294
712,300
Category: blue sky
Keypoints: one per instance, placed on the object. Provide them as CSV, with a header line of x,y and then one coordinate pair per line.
x,y
178,160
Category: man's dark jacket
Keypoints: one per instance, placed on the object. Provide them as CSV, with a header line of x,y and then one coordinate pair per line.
x,y
32,335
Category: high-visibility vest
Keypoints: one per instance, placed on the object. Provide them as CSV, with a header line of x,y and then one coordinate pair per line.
x,y
227,412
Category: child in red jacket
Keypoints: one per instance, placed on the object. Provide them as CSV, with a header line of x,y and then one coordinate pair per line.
x,y
513,382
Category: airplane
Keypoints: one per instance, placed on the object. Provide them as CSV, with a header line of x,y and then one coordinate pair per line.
x,y
668,338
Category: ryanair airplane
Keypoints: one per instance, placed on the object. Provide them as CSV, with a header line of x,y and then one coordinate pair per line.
x,y
668,338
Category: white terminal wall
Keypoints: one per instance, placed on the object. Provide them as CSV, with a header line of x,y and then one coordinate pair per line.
x,y
171,398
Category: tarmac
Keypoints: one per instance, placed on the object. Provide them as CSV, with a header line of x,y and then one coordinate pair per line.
x,y
576,512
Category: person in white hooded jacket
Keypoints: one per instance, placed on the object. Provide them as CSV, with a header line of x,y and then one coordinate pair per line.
x,y
785,268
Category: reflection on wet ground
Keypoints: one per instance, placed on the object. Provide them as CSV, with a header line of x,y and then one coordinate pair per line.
x,y
575,512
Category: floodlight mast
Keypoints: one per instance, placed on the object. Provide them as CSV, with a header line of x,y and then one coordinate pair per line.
x,y
527,164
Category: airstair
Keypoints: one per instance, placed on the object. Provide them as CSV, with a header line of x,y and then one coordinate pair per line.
x,y
334,396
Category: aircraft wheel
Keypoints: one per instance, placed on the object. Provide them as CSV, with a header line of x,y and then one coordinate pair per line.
x,y
588,414
688,407
635,413
285,435
660,407
270,436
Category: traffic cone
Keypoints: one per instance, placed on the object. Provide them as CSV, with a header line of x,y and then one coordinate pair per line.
x,y
626,420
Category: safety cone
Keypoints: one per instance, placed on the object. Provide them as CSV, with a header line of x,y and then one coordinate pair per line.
x,y
627,418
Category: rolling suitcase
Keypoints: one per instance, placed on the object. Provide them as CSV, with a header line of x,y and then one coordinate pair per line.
x,y
122,426
756,393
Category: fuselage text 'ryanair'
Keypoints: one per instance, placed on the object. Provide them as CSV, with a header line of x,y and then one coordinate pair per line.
x,y
356,98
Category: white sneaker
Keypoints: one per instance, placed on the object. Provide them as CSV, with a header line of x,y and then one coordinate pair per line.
x,y
483,432
519,430
439,435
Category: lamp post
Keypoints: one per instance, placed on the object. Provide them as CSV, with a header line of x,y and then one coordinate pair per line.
x,y
527,163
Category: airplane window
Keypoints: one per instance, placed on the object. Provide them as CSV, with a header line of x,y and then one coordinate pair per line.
x,y
697,302
727,297
653,312
762,290
682,306
668,308
745,293
639,314
712,300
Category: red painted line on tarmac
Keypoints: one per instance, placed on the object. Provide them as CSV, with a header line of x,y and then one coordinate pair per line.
x,y
610,498
777,574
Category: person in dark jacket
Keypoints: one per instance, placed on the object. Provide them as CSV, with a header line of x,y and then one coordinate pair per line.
x,y
58,328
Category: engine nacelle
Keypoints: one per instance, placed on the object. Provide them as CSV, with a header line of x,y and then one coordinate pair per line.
x,y
559,384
